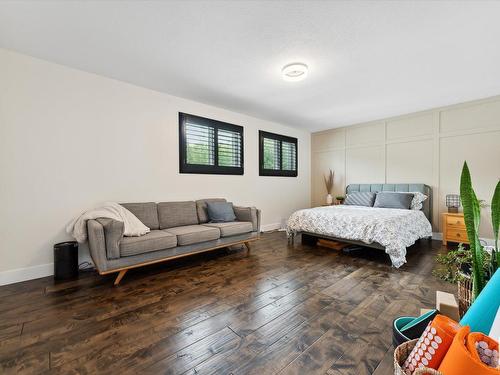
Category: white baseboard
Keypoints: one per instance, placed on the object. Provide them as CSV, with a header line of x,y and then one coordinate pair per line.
x,y
437,236
28,273
269,227
489,241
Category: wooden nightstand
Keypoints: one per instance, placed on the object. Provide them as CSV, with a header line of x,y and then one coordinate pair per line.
x,y
454,228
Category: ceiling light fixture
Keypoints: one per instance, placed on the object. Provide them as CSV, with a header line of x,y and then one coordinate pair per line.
x,y
294,72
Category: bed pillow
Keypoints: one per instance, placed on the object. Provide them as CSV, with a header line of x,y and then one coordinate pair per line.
x,y
360,199
393,200
418,200
220,212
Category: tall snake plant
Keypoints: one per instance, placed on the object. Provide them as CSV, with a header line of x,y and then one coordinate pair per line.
x,y
472,217
495,219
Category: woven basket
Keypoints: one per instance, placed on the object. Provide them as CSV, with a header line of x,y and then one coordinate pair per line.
x,y
465,294
401,353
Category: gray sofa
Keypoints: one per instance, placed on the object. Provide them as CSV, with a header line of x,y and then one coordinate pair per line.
x,y
177,229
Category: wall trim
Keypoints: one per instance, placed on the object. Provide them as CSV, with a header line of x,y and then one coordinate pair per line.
x,y
27,273
270,227
437,236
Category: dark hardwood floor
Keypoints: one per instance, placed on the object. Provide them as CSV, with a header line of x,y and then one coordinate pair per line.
x,y
278,309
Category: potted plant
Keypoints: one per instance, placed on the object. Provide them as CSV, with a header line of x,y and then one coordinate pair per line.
x,y
472,268
340,199
472,216
329,187
456,267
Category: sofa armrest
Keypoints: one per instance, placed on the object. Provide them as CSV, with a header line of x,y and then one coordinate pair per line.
x,y
113,234
250,214
97,244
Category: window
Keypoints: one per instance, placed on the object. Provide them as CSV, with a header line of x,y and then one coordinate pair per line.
x,y
277,155
209,146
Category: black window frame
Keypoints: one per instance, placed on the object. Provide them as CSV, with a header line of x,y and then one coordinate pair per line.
x,y
184,167
277,172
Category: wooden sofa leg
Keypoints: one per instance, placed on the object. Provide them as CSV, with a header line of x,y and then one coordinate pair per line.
x,y
247,244
120,277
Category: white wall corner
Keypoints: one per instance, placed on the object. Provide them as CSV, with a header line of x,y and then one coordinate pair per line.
x,y
28,273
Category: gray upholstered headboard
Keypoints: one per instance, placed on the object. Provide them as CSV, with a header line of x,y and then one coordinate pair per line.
x,y
422,188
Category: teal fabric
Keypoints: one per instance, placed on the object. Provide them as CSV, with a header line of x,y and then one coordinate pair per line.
x,y
415,321
220,212
482,312
397,336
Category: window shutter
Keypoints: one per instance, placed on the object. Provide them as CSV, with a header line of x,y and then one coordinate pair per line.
x,y
288,156
277,155
271,154
200,144
209,146
229,145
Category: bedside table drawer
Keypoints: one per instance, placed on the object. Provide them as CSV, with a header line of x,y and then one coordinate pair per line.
x,y
455,220
458,235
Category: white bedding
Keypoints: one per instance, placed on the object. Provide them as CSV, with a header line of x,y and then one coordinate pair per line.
x,y
395,229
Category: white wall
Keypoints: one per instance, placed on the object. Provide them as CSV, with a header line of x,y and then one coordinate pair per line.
x,y
70,140
426,147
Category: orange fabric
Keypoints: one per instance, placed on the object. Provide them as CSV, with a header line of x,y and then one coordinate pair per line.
x,y
474,337
462,357
433,344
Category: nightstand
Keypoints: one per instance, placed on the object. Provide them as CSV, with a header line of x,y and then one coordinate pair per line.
x,y
454,228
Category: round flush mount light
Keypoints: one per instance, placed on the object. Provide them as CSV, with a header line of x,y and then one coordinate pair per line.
x,y
294,72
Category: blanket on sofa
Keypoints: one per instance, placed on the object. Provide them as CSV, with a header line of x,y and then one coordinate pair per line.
x,y
133,227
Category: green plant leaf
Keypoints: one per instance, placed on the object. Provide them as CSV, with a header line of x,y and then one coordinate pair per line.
x,y
495,213
472,217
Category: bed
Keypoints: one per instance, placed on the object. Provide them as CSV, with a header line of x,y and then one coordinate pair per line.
x,y
391,230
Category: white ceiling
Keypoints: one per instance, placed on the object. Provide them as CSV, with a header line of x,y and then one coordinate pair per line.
x,y
368,60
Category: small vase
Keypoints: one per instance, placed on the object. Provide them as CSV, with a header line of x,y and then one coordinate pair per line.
x,y
329,199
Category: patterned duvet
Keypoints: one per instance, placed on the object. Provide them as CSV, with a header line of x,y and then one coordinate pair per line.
x,y
394,229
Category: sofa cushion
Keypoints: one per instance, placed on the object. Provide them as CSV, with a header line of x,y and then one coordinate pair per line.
x,y
152,241
220,212
201,207
232,228
187,235
176,214
145,212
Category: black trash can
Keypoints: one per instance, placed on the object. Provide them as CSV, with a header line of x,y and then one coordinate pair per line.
x,y
66,260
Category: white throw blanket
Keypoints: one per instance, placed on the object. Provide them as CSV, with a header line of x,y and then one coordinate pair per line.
x,y
132,225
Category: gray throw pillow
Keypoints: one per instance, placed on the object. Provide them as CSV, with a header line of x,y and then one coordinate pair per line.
x,y
360,199
393,200
220,212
